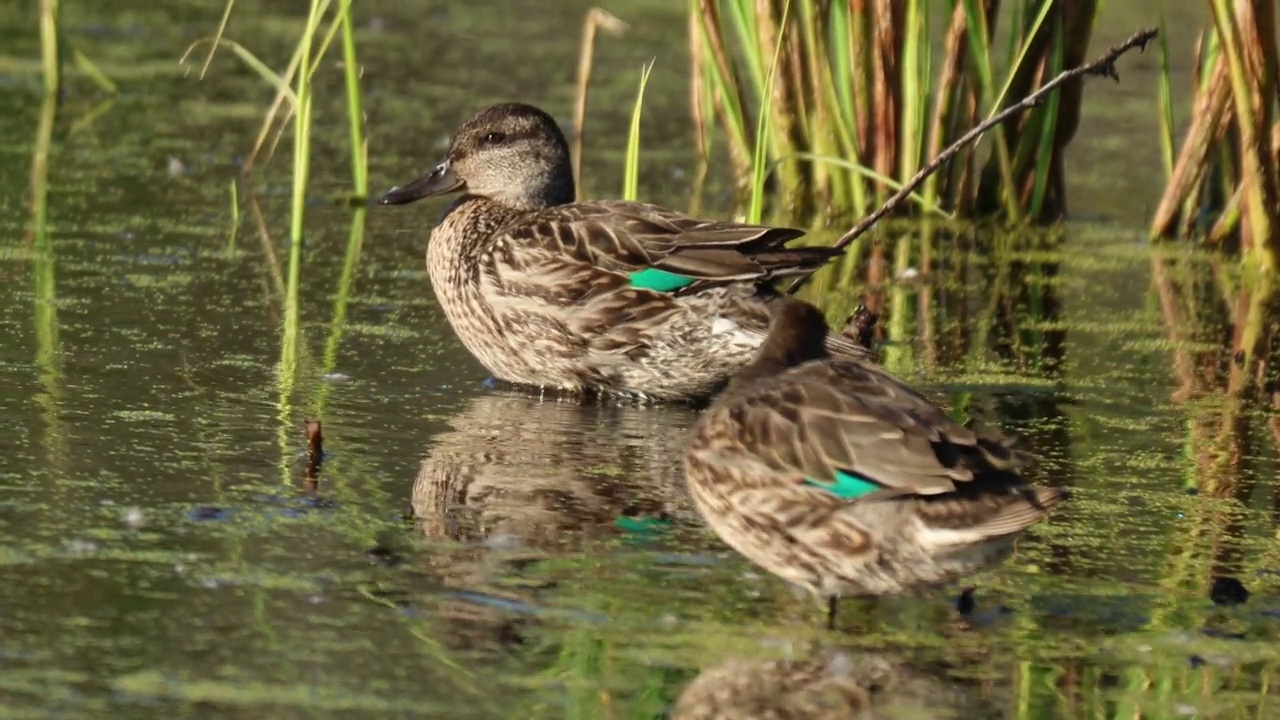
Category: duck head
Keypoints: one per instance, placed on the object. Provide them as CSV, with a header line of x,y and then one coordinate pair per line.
x,y
512,153
797,334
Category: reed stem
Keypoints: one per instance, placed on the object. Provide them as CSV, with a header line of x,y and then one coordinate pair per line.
x,y
355,112
1103,66
50,57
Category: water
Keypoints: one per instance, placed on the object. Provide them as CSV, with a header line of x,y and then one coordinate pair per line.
x,y
475,552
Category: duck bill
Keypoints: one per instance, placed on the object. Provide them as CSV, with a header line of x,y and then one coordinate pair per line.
x,y
439,181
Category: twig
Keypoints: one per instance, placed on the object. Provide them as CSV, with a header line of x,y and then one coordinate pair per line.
x,y
315,449
1104,66
861,326
597,19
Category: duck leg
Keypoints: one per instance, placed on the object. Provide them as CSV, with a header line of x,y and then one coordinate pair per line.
x,y
832,605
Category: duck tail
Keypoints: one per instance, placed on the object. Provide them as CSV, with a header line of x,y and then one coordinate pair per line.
x,y
958,523
1022,509
842,346
784,262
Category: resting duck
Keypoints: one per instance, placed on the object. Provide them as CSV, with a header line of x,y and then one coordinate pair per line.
x,y
836,476
603,297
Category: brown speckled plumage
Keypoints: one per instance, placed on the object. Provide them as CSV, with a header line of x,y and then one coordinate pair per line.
x,y
538,287
948,503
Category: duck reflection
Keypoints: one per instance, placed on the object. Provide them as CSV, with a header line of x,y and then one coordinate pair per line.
x,y
834,683
516,472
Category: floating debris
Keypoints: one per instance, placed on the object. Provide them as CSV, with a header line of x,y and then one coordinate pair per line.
x,y
201,513
315,450
383,555
81,547
133,518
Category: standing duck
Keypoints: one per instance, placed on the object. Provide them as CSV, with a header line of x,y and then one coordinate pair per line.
x,y
836,476
607,296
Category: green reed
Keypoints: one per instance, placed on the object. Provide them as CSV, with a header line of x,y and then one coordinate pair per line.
x,y
45,287
283,112
50,57
341,298
1166,104
293,106
54,49
302,115
294,109
355,112
631,169
864,99
235,218
759,153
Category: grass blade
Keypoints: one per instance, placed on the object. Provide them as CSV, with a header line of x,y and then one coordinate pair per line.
x,y
1166,105
631,173
758,164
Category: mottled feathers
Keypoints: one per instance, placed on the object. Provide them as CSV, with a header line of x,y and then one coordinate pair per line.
x,y
819,466
604,296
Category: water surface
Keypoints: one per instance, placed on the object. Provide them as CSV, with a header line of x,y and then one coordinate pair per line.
x,y
471,551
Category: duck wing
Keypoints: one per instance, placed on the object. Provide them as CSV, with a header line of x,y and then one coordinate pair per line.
x,y
847,444
661,249
852,429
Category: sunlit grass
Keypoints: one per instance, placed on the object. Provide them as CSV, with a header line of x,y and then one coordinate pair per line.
x,y
50,59
631,170
1253,98
755,210
1166,104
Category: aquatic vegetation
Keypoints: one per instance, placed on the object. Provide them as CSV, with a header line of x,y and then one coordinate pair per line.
x,y
295,86
54,49
1225,182
631,171
860,106
294,92
1224,186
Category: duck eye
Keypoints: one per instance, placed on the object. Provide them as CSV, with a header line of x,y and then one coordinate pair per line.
x,y
493,138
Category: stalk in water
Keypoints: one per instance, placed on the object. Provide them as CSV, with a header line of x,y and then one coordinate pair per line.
x,y
631,174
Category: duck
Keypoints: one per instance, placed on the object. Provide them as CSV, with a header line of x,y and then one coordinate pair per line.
x,y
601,297
836,476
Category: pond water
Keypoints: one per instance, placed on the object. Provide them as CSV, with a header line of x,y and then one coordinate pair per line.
x,y
473,551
